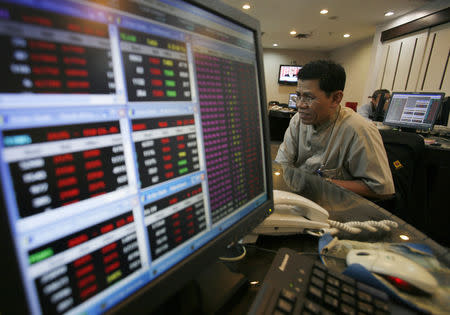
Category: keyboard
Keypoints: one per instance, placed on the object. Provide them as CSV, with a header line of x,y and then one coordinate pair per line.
x,y
301,284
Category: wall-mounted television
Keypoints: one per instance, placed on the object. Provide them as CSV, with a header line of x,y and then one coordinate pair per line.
x,y
288,74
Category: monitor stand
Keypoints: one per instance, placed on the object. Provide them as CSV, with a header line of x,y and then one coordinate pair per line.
x,y
411,130
218,285
208,293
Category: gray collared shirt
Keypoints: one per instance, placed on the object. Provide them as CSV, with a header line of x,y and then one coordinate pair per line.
x,y
347,147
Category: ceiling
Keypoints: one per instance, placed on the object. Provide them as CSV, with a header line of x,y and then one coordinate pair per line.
x,y
356,17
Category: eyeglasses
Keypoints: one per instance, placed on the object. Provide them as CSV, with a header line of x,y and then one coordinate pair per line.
x,y
305,99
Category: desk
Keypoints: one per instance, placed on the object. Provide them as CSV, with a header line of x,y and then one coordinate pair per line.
x,y
343,205
279,122
437,166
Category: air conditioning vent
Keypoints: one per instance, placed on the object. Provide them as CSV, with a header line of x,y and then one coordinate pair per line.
x,y
303,35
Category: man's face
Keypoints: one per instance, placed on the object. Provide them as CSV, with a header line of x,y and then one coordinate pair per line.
x,y
313,105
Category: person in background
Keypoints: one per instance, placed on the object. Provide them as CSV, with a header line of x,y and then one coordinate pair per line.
x,y
331,141
368,110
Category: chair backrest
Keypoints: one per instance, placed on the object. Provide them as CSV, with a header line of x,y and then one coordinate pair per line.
x,y
405,155
352,105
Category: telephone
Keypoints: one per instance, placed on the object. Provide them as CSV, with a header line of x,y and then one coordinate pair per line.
x,y
295,214
292,215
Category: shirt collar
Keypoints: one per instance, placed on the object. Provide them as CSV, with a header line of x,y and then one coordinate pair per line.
x,y
329,122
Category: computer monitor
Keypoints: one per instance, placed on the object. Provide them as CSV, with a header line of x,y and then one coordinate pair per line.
x,y
134,148
292,100
413,111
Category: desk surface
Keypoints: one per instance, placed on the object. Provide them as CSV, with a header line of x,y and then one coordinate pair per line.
x,y
342,205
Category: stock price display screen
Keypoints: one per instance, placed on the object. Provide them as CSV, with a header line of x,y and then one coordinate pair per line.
x,y
156,68
53,53
230,135
82,271
65,164
166,148
173,220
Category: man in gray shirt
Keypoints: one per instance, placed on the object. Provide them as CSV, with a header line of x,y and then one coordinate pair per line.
x,y
333,141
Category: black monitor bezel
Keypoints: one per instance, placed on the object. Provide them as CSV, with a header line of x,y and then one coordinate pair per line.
x,y
286,82
410,125
154,293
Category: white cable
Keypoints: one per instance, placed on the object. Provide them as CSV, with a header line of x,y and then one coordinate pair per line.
x,y
355,227
235,258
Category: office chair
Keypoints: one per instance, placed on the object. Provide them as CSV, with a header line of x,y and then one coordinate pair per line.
x,y
405,155
352,105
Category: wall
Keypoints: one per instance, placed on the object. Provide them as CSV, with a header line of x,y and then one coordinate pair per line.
x,y
355,59
273,58
377,47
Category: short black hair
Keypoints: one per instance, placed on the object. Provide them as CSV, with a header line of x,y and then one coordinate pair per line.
x,y
378,92
330,74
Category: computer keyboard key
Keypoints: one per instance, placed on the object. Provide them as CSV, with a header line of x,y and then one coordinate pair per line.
x,y
332,290
332,301
285,306
320,266
347,309
348,299
348,289
333,281
315,292
381,305
313,307
364,307
288,295
317,282
347,280
363,296
319,273
372,291
327,312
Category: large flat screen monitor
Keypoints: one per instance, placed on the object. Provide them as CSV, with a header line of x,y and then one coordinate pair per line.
x,y
413,111
133,149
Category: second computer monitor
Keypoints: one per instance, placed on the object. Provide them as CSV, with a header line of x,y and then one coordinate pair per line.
x,y
413,111
292,100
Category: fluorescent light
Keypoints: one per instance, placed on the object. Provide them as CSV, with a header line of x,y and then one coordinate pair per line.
x,y
346,35
277,173
323,11
246,6
275,45
389,13
293,32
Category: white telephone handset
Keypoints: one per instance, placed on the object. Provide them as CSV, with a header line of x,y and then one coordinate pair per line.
x,y
295,214
292,215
